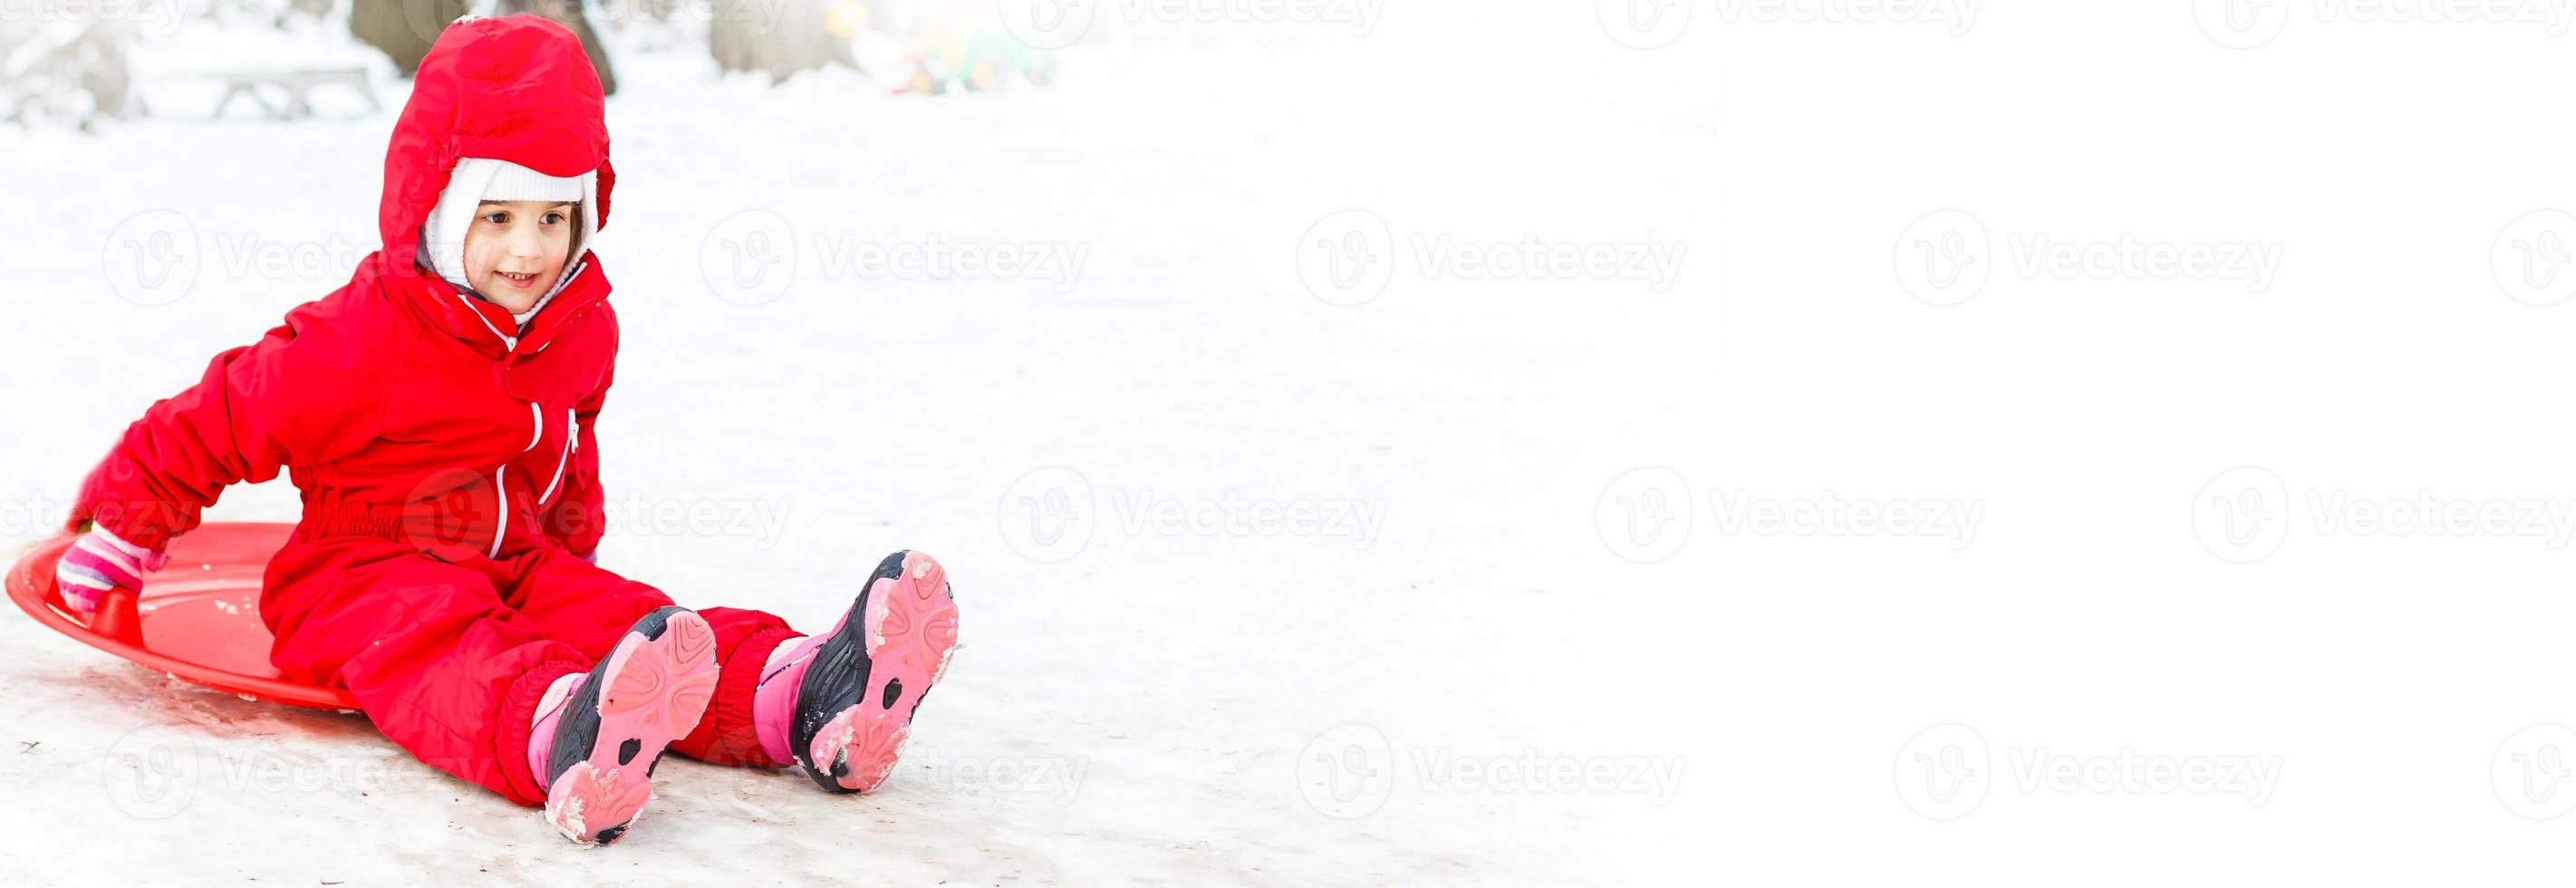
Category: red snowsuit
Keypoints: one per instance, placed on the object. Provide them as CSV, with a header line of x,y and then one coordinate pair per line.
x,y
450,473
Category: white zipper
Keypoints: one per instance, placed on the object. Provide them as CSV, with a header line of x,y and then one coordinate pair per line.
x,y
503,493
537,416
571,440
508,342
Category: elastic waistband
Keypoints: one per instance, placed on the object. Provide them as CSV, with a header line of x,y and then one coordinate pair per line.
x,y
469,517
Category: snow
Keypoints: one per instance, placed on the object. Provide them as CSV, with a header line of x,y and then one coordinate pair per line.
x,y
1148,703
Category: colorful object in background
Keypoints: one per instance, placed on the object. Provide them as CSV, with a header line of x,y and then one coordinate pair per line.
x,y
979,62
846,18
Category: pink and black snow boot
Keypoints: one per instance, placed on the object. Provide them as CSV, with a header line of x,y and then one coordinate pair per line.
x,y
599,735
838,705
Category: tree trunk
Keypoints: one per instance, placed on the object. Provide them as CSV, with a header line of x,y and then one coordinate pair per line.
x,y
404,29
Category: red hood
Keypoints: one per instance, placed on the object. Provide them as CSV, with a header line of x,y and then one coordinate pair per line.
x,y
516,88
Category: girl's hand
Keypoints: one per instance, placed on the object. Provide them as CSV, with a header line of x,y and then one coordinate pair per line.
x,y
98,562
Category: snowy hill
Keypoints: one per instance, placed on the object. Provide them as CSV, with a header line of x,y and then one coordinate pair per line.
x,y
1222,544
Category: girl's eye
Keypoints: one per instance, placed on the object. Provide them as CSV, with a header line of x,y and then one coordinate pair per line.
x,y
497,218
554,218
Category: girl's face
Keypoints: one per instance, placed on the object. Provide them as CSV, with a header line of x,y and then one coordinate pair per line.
x,y
516,248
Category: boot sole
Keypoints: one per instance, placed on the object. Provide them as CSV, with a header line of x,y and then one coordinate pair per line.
x,y
871,674
657,684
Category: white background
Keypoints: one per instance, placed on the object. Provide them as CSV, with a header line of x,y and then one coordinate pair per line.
x,y
1561,574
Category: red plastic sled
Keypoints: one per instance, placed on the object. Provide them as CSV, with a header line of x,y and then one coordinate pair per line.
x,y
198,619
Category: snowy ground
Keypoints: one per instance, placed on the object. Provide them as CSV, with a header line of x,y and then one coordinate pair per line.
x,y
2212,596
1134,701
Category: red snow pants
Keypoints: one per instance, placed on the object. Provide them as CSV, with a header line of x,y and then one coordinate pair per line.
x,y
448,650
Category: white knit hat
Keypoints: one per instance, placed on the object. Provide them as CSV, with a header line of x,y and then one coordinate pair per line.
x,y
476,180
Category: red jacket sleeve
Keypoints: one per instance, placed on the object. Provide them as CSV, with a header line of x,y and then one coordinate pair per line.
x,y
309,392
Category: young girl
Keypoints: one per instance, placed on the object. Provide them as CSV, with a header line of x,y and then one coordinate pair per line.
x,y
439,415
